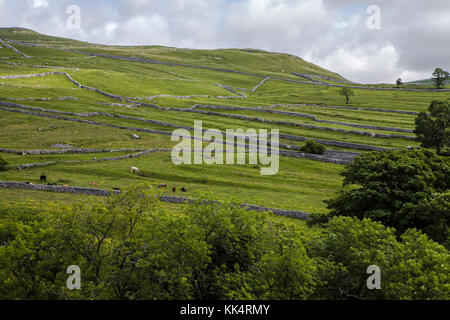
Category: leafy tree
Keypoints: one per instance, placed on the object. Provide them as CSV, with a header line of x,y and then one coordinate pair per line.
x,y
379,185
433,130
129,247
3,164
125,249
440,76
413,267
430,215
251,256
399,82
420,269
129,251
347,93
313,147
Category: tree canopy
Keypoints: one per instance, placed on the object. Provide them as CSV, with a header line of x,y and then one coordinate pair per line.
x,y
393,187
131,247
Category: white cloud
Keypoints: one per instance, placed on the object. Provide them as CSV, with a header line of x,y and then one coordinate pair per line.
x,y
357,64
40,3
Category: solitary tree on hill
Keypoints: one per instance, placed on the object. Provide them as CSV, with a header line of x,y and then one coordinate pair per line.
x,y
433,130
347,92
399,82
440,76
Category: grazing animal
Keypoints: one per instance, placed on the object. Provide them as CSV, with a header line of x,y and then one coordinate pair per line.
x,y
134,169
162,186
94,184
174,189
183,189
43,177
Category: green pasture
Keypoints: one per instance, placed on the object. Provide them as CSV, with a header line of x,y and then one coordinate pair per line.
x,y
300,184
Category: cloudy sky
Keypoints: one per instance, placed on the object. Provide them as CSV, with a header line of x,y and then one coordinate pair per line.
x,y
412,39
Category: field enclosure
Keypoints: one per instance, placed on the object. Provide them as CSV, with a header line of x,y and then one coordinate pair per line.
x,y
57,92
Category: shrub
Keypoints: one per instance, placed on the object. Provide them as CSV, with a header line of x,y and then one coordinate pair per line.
x,y
313,147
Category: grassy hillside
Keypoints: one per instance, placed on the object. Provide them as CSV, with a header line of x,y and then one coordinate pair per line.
x,y
175,80
427,82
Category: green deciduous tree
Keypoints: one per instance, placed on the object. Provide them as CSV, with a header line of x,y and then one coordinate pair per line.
x,y
431,214
130,247
433,130
439,77
251,257
347,93
379,185
413,267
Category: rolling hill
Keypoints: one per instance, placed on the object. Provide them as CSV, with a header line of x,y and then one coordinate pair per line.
x,y
69,110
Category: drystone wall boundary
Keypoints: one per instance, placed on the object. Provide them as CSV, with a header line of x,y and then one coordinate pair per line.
x,y
133,59
287,137
7,45
170,199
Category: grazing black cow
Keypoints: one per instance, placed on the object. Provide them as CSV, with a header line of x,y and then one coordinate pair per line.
x,y
43,177
183,189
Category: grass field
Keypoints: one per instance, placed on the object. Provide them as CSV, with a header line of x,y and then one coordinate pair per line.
x,y
301,184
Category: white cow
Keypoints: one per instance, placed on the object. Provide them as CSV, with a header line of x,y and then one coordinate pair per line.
x,y
134,169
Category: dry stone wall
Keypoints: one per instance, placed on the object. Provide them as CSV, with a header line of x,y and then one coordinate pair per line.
x,y
65,151
304,115
128,156
58,189
133,59
7,45
288,137
169,199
